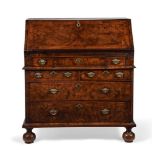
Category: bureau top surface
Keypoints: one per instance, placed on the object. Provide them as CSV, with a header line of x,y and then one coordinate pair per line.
x,y
78,34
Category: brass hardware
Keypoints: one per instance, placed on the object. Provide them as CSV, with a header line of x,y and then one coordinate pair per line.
x,y
106,72
91,74
78,60
78,86
79,106
53,112
42,62
67,74
53,73
119,74
116,61
53,91
78,24
105,111
38,75
105,90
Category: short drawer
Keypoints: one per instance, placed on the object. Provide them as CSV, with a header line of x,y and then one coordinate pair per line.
x,y
78,111
109,91
106,75
52,75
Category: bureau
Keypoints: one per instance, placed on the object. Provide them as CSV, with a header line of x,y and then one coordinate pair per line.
x,y
78,73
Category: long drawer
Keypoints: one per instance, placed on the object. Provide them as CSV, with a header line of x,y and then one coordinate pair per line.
x,y
76,61
109,91
77,111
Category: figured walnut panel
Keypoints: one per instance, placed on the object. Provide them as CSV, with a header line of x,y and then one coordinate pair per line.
x,y
80,90
65,34
77,112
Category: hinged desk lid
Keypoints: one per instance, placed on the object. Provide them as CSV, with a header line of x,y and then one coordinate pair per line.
x,y
79,34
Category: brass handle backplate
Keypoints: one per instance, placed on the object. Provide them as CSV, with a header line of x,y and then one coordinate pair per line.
x,y
53,112
105,90
115,61
78,86
67,74
105,111
38,75
91,74
78,106
119,74
53,91
78,60
42,62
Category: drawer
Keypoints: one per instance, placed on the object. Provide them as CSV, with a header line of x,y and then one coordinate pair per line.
x,y
52,75
107,75
89,61
70,75
78,61
80,90
78,111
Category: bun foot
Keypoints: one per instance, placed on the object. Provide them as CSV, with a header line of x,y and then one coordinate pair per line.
x,y
128,136
29,136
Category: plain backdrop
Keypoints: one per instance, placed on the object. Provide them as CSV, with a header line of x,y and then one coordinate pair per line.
x,y
75,140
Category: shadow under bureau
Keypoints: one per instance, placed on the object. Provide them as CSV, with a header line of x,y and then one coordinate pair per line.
x,y
78,73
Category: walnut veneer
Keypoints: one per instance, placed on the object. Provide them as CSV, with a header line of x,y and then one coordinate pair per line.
x,y
78,72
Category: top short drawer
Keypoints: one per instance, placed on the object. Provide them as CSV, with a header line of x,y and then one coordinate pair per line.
x,y
79,61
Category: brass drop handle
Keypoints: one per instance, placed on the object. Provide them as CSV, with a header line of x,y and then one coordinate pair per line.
x,y
119,74
42,62
105,90
38,75
105,111
91,74
53,91
115,61
53,112
67,74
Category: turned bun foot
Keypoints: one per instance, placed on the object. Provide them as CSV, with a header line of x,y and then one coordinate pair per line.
x,y
29,136
128,136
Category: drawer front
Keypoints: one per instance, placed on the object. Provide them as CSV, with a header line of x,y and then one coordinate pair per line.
x,y
70,75
78,111
107,75
51,75
80,90
78,34
78,61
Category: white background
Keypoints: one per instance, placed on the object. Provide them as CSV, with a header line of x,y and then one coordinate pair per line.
x,y
78,140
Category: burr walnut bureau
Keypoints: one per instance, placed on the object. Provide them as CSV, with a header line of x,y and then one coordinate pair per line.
x,y
78,73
